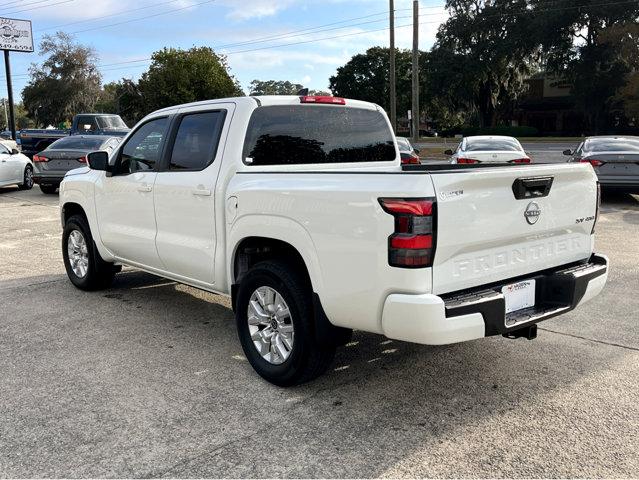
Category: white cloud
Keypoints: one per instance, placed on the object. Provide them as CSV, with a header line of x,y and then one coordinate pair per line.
x,y
246,9
306,80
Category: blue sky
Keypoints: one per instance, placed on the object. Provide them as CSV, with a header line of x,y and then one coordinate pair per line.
x,y
254,34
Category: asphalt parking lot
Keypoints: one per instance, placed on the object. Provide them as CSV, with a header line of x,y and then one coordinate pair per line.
x,y
148,379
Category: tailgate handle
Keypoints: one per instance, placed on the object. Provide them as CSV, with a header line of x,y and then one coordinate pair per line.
x,y
532,187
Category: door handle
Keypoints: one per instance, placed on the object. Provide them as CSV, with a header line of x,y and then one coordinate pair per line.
x,y
145,188
201,191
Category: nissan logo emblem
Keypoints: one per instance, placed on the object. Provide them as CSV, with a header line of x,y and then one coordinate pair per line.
x,y
532,212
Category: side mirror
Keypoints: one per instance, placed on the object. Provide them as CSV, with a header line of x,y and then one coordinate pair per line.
x,y
14,151
416,150
98,161
448,152
567,152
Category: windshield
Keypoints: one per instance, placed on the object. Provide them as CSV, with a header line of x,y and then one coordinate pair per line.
x,y
492,144
612,145
77,143
111,123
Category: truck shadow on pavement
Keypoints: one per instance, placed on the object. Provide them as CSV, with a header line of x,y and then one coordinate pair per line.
x,y
148,379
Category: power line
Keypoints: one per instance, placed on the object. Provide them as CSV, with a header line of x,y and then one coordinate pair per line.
x,y
37,8
142,18
122,12
12,4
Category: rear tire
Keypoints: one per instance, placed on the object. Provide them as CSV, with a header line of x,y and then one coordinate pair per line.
x,y
27,179
85,267
48,189
305,359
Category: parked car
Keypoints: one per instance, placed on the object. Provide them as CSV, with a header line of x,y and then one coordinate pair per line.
x,y
298,207
35,140
15,168
52,163
488,149
614,158
408,153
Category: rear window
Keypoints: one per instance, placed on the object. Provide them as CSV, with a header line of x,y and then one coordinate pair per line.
x,y
492,144
77,143
303,134
612,145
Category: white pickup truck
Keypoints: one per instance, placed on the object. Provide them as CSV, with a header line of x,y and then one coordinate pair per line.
x,y
299,209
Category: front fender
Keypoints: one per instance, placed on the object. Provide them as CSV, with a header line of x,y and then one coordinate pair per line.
x,y
82,194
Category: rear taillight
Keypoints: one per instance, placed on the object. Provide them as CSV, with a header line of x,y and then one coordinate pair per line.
x,y
592,161
82,159
322,99
40,158
520,160
412,244
410,159
597,208
467,160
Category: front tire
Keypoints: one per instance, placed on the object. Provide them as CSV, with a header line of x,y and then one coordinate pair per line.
x,y
274,318
48,189
27,179
85,268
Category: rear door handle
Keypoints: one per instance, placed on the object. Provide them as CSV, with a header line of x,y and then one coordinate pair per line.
x,y
145,188
201,191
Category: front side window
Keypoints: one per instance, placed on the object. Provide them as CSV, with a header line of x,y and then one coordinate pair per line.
x,y
142,150
304,134
196,141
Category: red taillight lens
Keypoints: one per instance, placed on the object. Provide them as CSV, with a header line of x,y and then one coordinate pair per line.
x,y
40,158
521,160
323,99
467,160
592,161
82,159
412,243
410,159
396,206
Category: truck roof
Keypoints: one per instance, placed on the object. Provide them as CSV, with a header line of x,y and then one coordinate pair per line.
x,y
263,100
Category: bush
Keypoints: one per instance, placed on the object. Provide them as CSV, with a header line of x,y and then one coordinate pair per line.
x,y
501,130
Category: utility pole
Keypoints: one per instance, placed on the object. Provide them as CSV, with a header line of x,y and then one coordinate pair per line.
x,y
12,122
393,91
415,106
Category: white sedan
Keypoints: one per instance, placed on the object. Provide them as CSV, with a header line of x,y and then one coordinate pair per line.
x,y
488,149
15,168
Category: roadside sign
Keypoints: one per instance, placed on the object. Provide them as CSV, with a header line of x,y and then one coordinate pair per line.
x,y
16,35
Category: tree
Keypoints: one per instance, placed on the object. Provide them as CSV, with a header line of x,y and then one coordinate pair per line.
x,y
596,48
482,56
180,76
274,87
123,98
366,77
67,82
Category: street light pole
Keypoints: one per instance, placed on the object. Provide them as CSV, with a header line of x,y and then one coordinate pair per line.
x,y
393,92
415,86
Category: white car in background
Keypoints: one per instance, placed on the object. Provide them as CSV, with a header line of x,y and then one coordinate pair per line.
x,y
15,168
489,149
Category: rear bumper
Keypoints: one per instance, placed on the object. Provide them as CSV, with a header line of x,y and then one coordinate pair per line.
x,y
619,181
47,179
480,312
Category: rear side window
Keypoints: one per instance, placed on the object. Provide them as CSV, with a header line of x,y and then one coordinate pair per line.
x,y
196,141
303,134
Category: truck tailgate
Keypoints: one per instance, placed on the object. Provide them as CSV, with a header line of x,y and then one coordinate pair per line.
x,y
485,234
